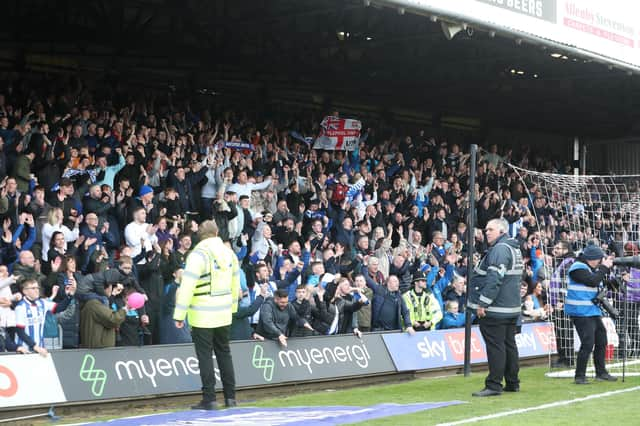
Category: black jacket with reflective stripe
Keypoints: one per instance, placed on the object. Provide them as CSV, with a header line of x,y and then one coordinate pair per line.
x,y
495,282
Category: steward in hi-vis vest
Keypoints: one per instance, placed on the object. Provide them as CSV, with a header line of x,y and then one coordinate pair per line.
x,y
210,286
208,297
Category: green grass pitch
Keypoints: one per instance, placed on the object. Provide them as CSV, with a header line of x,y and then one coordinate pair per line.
x,y
536,389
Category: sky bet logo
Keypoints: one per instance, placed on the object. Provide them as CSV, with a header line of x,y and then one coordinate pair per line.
x,y
443,345
95,376
264,363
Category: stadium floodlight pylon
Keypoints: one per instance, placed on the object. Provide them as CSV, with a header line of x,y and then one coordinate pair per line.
x,y
584,209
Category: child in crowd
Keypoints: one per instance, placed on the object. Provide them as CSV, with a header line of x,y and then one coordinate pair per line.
x,y
303,308
452,318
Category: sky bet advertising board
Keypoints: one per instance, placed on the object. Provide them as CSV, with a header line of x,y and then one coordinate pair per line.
x,y
445,348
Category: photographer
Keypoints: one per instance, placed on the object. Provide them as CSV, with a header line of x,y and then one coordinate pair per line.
x,y
587,276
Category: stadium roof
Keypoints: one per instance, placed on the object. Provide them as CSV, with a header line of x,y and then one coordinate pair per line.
x,y
324,53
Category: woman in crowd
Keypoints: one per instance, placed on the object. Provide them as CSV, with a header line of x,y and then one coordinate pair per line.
x,y
535,306
54,223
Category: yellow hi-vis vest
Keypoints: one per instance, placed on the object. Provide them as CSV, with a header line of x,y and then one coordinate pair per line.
x,y
423,307
208,293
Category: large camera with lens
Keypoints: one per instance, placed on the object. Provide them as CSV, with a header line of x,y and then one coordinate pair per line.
x,y
602,300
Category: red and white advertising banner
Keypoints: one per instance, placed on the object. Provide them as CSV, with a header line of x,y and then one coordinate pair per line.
x,y
338,134
445,348
604,29
29,380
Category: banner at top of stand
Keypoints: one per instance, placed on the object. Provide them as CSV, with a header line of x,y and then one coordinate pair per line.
x,y
607,29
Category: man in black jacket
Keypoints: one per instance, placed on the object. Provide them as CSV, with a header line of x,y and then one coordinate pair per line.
x,y
95,202
495,295
241,323
347,303
389,312
401,268
224,210
304,309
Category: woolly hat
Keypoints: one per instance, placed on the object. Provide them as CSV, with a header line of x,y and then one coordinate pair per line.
x,y
144,190
592,252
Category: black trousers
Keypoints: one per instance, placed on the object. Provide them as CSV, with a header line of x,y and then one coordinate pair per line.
x,y
502,353
208,341
593,338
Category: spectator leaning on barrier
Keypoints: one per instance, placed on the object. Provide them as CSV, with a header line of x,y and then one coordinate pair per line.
x,y
169,333
304,309
348,301
389,312
534,306
7,314
457,292
277,316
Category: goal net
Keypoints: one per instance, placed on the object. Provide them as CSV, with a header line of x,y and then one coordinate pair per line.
x,y
570,212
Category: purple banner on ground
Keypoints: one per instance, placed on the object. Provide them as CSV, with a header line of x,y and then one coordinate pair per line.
x,y
308,416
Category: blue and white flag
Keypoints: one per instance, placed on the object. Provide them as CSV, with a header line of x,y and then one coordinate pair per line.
x,y
307,140
69,173
355,189
239,145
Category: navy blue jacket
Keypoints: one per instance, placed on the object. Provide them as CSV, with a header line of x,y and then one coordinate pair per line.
x,y
495,283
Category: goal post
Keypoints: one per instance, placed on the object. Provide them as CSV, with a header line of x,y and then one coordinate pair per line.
x,y
570,212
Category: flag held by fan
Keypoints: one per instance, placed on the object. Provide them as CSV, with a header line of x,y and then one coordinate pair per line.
x,y
338,134
239,145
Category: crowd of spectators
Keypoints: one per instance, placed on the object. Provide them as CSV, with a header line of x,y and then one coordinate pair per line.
x,y
102,196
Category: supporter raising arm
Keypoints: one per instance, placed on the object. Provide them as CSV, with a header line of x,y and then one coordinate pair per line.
x,y
31,312
244,187
389,312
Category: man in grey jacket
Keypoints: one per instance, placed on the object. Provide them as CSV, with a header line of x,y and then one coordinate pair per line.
x,y
495,295
276,314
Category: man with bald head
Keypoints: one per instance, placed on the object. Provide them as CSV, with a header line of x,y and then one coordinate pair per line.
x,y
495,295
95,202
389,312
27,269
95,236
244,187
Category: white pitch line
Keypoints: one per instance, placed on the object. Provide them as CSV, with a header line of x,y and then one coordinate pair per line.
x,y
540,407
